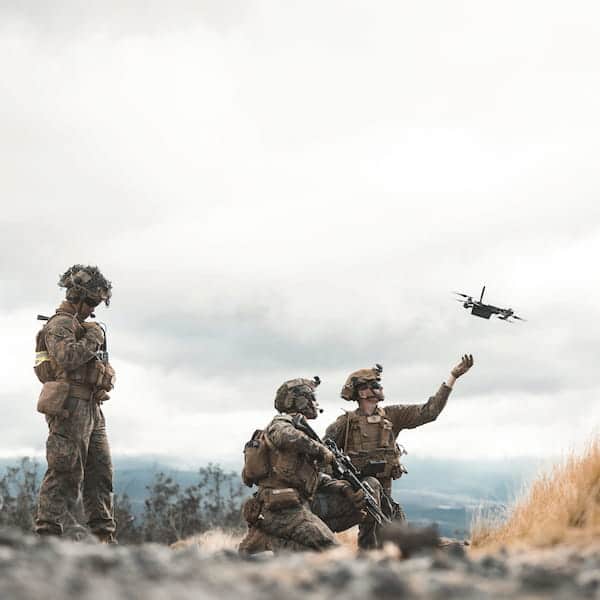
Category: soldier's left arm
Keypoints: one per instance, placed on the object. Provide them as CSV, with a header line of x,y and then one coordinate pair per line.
x,y
413,415
409,416
285,436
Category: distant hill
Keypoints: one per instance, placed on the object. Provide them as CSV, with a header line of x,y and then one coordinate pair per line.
x,y
434,490
448,492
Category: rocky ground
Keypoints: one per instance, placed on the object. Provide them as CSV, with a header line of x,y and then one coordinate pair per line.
x,y
31,568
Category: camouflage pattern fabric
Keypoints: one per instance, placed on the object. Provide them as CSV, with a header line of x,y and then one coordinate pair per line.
x,y
294,458
339,513
290,529
285,437
82,282
71,345
79,460
402,416
336,510
77,449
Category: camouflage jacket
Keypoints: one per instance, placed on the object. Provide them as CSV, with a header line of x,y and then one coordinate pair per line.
x,y
293,456
71,345
401,416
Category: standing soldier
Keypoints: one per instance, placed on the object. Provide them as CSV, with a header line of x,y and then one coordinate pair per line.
x,y
368,435
283,462
72,364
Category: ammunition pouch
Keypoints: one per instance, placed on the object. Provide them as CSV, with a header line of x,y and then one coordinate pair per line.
x,y
281,498
386,461
52,399
251,510
373,468
101,375
296,470
371,445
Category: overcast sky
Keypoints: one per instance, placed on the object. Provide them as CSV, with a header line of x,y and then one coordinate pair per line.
x,y
288,189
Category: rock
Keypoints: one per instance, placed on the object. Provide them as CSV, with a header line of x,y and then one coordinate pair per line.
x,y
30,567
411,540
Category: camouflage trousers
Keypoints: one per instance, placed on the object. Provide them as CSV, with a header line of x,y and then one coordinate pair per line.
x,y
294,528
78,463
339,513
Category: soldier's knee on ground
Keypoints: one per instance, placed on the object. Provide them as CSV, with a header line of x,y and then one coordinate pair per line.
x,y
254,541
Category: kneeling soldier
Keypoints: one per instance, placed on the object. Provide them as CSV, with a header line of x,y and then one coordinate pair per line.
x,y
284,463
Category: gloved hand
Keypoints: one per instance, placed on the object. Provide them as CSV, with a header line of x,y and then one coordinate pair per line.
x,y
327,457
358,498
101,396
463,366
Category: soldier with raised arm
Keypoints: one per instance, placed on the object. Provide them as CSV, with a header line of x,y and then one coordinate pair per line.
x,y
368,435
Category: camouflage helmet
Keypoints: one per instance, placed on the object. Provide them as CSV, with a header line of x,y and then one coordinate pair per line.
x,y
358,378
297,395
86,282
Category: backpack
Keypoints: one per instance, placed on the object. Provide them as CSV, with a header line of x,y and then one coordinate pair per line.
x,y
257,460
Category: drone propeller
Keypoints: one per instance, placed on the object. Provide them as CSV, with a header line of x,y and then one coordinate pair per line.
x,y
518,318
461,294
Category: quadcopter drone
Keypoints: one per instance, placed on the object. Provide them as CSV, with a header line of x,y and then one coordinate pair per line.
x,y
485,311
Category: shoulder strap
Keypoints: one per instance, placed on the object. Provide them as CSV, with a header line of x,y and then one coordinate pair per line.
x,y
347,431
267,439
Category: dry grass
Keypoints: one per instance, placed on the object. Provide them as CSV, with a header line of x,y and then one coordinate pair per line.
x,y
214,540
562,506
349,538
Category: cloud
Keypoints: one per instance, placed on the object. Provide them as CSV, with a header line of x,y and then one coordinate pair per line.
x,y
134,17
274,194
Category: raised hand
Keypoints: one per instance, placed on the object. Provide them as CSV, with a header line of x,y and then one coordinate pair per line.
x,y
463,366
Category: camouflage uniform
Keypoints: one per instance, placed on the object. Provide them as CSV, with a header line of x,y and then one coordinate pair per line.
x,y
278,514
77,449
337,509
373,438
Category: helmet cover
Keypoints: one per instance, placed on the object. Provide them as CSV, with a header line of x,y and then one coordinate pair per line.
x,y
86,282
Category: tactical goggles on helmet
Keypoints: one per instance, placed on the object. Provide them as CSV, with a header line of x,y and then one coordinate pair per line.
x,y
374,385
304,392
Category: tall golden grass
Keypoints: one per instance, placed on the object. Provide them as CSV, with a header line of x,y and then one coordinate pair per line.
x,y
562,506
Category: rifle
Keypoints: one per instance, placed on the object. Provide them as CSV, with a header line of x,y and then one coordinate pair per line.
x,y
345,470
